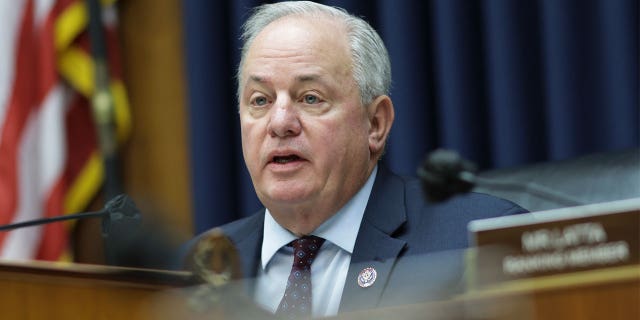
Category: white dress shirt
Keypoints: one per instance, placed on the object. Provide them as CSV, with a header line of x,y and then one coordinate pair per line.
x,y
329,269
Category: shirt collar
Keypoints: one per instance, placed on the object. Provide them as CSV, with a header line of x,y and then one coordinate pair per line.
x,y
341,229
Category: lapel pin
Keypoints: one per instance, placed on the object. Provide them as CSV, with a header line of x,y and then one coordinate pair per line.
x,y
367,277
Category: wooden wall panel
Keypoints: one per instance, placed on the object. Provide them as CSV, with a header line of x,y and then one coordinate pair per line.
x,y
155,160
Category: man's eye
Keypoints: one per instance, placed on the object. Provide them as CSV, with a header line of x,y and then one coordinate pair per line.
x,y
310,99
260,101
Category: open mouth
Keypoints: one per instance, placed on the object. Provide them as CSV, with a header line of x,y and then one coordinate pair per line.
x,y
285,159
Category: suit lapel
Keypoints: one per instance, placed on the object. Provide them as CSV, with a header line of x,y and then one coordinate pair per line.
x,y
375,247
248,241
250,261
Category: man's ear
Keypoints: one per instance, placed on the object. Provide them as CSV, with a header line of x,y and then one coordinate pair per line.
x,y
381,115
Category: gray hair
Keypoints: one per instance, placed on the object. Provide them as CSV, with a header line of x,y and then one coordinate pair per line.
x,y
371,65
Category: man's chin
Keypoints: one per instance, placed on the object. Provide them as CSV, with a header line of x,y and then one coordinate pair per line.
x,y
286,196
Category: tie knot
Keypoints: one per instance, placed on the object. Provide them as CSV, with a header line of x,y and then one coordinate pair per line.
x,y
305,250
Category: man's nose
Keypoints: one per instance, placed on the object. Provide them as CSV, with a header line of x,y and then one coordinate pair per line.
x,y
284,119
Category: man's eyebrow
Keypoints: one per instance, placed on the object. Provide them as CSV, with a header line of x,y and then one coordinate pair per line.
x,y
259,79
312,78
307,77
300,78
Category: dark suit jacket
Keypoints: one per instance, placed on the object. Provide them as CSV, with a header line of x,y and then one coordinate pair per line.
x,y
410,242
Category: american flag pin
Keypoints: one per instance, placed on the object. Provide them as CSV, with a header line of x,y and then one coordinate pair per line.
x,y
367,277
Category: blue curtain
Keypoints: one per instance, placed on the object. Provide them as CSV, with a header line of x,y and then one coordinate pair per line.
x,y
503,82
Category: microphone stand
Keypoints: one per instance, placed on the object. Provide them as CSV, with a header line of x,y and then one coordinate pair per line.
x,y
445,173
36,222
128,242
116,210
531,188
121,221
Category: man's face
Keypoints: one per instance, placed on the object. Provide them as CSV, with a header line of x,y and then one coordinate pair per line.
x,y
304,128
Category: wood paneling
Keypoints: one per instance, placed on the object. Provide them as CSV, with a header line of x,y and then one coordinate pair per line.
x,y
39,290
155,160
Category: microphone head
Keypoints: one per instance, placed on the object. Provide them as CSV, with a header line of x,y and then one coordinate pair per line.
x,y
444,173
131,242
122,206
122,214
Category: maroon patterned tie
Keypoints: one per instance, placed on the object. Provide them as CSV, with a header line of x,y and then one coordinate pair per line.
x,y
296,301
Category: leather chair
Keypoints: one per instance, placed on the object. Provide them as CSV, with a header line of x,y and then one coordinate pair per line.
x,y
595,178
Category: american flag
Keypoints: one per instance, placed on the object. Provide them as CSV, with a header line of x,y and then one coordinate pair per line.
x,y
49,160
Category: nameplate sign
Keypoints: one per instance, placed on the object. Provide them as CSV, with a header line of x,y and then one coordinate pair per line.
x,y
557,241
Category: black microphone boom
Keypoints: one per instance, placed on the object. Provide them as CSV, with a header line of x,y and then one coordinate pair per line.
x,y
444,174
116,209
127,241
37,222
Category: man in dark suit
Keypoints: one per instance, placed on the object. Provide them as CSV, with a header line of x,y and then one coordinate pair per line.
x,y
315,115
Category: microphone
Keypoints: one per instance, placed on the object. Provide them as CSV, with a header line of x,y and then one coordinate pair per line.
x,y
120,208
127,241
444,173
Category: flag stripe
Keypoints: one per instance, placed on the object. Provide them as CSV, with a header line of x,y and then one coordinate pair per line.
x,y
84,167
49,161
71,21
19,107
10,26
43,139
35,183
54,237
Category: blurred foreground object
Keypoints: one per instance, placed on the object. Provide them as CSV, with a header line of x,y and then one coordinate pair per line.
x,y
215,260
221,293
